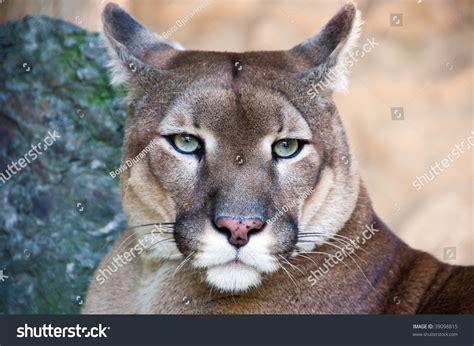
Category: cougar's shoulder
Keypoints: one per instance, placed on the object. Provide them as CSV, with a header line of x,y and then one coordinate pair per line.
x,y
420,283
451,291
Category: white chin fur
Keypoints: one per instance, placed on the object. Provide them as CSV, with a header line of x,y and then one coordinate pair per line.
x,y
233,277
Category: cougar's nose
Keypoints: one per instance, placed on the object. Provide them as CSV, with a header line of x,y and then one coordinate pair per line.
x,y
238,229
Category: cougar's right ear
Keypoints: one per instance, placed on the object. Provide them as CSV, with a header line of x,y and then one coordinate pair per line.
x,y
136,52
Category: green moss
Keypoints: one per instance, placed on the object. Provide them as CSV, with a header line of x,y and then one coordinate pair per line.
x,y
71,57
102,93
78,36
68,62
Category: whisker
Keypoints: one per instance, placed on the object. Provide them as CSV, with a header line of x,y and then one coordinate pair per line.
x,y
291,264
303,241
318,233
148,248
304,232
350,254
168,240
148,225
288,273
341,239
184,262
345,243
166,224
357,264
309,234
134,234
317,252
350,241
327,254
307,257
130,239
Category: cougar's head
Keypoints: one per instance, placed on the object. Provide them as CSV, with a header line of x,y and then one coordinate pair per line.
x,y
244,152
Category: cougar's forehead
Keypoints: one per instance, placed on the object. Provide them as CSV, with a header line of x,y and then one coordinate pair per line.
x,y
243,115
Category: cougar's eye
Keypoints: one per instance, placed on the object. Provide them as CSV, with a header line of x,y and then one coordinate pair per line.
x,y
186,144
287,148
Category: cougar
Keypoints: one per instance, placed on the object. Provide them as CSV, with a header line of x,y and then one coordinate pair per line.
x,y
241,191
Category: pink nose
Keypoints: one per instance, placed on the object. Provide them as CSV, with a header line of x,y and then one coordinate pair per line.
x,y
238,229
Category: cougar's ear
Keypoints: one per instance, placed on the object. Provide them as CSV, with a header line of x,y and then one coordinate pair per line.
x,y
136,52
327,50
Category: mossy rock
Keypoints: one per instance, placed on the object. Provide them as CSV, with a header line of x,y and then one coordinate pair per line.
x,y
61,212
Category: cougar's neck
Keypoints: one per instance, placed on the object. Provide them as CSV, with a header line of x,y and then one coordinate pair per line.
x,y
380,265
362,214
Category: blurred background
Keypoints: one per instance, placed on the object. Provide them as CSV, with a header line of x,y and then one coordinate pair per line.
x,y
410,99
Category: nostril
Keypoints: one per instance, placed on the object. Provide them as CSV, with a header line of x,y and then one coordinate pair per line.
x,y
255,225
222,229
221,226
238,230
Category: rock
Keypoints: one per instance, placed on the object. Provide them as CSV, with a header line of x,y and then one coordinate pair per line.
x,y
54,78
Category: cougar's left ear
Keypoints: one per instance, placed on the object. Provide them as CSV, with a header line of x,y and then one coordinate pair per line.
x,y
327,50
136,52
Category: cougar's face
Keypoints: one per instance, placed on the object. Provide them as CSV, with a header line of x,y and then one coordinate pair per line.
x,y
237,164
243,161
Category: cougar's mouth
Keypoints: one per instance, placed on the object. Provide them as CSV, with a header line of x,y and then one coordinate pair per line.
x,y
237,263
233,276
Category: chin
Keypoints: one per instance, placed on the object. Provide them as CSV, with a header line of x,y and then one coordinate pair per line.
x,y
233,277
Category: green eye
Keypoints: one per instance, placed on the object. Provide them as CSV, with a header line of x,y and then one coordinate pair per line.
x,y
186,144
287,148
